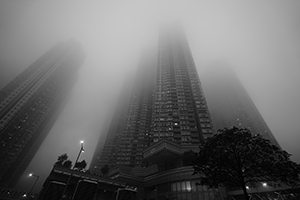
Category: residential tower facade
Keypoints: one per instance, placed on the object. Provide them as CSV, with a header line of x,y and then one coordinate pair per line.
x,y
30,105
166,121
129,131
230,104
180,112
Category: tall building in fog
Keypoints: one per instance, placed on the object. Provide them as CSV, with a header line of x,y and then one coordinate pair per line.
x,y
230,104
167,104
180,113
166,118
30,104
129,130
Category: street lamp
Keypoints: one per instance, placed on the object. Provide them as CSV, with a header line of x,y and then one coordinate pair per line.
x,y
37,178
80,151
68,181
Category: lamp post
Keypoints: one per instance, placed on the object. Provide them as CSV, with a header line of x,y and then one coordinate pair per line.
x,y
37,178
80,151
68,181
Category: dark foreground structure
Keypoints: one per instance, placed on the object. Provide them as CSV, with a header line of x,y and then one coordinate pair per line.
x,y
64,183
157,182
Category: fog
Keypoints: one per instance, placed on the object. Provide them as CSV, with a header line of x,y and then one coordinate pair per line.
x,y
258,39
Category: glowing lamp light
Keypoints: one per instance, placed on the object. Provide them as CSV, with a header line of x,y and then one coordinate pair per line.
x,y
247,187
81,149
265,184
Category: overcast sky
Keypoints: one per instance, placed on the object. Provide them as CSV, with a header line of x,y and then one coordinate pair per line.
x,y
258,39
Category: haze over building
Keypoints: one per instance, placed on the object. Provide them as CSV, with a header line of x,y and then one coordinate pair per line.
x,y
129,131
31,103
166,117
230,104
168,104
180,112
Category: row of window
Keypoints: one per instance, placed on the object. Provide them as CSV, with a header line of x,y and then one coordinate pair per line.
x,y
184,190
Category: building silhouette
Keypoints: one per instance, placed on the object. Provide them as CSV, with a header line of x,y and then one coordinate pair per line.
x,y
129,130
166,102
230,104
30,105
180,112
165,121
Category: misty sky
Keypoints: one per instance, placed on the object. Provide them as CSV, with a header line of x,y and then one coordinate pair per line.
x,y
258,39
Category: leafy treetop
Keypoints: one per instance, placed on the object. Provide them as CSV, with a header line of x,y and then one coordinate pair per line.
x,y
236,157
63,160
80,166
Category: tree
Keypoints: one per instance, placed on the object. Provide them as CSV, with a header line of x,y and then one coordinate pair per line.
x,y
80,166
67,164
105,170
236,157
188,157
63,161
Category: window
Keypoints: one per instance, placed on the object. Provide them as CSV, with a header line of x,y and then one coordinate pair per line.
x,y
174,187
188,186
183,186
178,186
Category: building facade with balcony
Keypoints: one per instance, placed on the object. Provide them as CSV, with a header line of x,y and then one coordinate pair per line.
x,y
180,111
129,130
166,117
30,104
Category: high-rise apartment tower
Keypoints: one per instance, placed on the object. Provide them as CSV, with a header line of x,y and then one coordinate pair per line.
x,y
180,112
230,104
167,103
166,120
129,131
29,106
